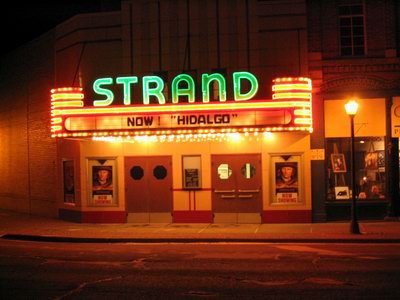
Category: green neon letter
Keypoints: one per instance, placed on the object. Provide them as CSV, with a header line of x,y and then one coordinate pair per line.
x,y
205,85
126,82
189,91
102,91
237,77
157,91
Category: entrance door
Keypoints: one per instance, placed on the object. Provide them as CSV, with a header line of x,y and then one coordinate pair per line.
x,y
148,189
237,184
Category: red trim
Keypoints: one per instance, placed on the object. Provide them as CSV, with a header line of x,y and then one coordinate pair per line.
x,y
103,217
69,215
195,190
194,216
190,201
287,216
93,216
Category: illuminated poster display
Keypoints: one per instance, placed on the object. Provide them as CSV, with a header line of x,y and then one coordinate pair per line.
x,y
102,189
102,184
287,179
286,182
69,181
288,110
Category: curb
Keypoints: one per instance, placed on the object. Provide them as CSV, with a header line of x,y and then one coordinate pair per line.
x,y
61,239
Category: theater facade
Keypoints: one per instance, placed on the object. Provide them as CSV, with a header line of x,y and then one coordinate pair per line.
x,y
211,112
242,160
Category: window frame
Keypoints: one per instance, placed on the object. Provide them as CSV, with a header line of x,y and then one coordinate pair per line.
x,y
366,177
191,172
351,17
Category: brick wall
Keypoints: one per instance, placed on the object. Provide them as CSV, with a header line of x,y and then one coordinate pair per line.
x,y
27,152
267,38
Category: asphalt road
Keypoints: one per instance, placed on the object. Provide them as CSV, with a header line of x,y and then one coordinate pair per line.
x,y
43,270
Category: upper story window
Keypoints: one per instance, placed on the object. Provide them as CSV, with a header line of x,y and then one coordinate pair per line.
x,y
352,30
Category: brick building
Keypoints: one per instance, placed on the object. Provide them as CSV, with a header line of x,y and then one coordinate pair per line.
x,y
340,45
354,52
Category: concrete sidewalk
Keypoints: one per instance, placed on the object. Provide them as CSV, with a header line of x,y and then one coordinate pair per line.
x,y
25,227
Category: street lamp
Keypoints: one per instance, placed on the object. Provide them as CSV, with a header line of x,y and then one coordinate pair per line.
x,y
351,108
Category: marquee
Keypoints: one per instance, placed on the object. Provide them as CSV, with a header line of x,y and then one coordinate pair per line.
x,y
290,108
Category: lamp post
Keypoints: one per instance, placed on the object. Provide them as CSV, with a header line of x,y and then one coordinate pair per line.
x,y
351,108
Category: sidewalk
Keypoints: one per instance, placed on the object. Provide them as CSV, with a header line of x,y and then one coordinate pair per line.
x,y
24,227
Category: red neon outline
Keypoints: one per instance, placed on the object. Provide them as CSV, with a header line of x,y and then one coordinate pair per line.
x,y
299,122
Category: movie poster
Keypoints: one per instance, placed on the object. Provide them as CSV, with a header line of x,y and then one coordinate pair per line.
x,y
286,182
102,185
69,181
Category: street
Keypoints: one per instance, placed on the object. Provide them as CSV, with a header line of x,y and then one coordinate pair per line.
x,y
44,270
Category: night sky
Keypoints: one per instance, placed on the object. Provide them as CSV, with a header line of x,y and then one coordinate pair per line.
x,y
26,20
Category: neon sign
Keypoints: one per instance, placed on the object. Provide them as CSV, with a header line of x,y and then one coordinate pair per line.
x,y
288,110
189,91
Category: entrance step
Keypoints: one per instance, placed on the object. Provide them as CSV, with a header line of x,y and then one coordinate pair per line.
x,y
240,218
149,218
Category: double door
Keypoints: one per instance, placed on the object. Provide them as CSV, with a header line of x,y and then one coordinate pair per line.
x,y
148,188
237,188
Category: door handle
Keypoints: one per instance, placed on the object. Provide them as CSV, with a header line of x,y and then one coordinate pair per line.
x,y
224,191
245,196
249,191
228,196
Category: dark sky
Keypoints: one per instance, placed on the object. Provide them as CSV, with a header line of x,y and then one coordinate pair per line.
x,y
22,21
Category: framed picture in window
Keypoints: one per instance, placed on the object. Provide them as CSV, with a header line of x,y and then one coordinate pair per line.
x,y
338,162
191,172
381,159
342,193
371,160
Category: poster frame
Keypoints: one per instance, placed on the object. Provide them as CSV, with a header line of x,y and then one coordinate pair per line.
x,y
106,196
191,176
277,160
69,198
342,168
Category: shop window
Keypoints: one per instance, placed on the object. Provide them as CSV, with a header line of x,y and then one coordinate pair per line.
x,y
369,168
248,170
137,172
352,30
160,172
224,171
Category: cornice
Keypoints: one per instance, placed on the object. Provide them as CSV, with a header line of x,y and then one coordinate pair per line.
x,y
358,83
361,68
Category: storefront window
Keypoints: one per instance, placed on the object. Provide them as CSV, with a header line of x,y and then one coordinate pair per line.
x,y
369,168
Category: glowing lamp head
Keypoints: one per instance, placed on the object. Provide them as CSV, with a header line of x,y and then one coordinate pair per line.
x,y
351,108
